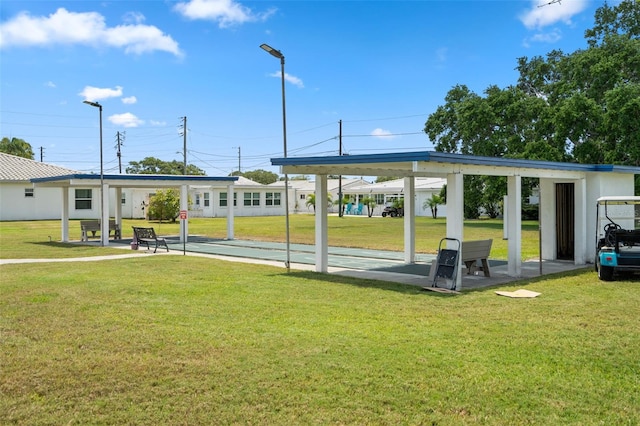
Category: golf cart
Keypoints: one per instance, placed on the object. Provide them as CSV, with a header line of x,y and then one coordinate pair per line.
x,y
617,236
392,211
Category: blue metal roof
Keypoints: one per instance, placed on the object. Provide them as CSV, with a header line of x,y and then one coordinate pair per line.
x,y
140,177
442,157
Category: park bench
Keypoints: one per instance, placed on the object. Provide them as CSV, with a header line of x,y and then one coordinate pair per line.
x,y
474,252
148,236
93,226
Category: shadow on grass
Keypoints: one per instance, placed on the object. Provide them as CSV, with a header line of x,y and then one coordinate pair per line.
x,y
360,282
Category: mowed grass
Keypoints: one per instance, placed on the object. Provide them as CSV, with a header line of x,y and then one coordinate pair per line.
x,y
175,340
186,340
25,239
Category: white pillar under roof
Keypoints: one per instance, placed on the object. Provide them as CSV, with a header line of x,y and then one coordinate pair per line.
x,y
322,225
514,199
455,216
580,231
230,212
104,221
409,220
65,214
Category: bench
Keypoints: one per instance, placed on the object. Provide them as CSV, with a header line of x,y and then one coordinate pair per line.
x,y
147,236
474,251
93,226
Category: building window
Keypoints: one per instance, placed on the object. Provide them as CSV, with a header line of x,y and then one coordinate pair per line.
x,y
302,196
83,199
28,192
251,199
273,199
224,199
379,199
206,199
123,199
197,200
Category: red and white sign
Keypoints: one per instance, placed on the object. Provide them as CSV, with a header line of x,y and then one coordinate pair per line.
x,y
183,214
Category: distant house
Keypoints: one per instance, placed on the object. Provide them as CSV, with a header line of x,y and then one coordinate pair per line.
x,y
19,200
302,188
385,193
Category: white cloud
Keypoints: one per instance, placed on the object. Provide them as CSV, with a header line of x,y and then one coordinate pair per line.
x,y
541,14
50,84
225,12
290,78
548,37
94,94
382,133
87,28
125,120
158,123
129,100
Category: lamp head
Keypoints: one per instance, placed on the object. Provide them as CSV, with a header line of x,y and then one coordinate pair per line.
x,y
272,51
93,104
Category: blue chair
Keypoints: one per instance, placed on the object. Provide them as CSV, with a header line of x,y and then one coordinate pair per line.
x,y
348,210
359,211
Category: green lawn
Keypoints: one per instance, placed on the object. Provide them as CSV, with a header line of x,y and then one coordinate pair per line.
x,y
23,239
174,340
186,340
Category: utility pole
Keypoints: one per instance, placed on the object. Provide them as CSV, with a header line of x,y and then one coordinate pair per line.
x,y
41,154
183,126
340,176
239,169
119,141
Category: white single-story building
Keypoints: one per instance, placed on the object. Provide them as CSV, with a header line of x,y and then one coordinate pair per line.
x,y
21,200
567,191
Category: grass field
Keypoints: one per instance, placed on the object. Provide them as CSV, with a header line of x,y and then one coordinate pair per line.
x,y
184,340
20,239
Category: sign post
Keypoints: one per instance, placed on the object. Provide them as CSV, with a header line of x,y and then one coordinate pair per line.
x,y
183,216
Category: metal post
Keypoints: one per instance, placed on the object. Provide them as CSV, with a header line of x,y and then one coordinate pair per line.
x,y
102,224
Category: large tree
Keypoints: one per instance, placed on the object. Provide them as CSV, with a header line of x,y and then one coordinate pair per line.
x,y
155,166
17,147
581,107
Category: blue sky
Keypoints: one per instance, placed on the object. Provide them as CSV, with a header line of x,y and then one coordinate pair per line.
x,y
379,66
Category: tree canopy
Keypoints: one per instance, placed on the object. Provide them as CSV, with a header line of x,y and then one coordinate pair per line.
x,y
17,147
580,107
261,176
155,166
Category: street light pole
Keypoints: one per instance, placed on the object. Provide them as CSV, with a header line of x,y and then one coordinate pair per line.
x,y
102,222
279,55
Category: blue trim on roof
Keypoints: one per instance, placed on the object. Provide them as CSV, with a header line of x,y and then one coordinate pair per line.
x,y
443,157
139,177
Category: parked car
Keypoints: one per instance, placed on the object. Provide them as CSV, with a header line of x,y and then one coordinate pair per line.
x,y
392,211
617,236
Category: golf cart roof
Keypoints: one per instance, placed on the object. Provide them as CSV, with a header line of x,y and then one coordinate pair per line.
x,y
619,199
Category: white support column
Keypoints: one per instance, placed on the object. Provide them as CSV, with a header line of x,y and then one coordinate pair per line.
x,y
580,232
184,205
455,215
118,207
409,220
230,213
322,225
104,221
548,218
514,200
65,214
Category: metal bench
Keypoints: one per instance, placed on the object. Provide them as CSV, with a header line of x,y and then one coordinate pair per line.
x,y
93,226
148,236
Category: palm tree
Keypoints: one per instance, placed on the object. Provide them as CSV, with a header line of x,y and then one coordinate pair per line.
x,y
370,202
311,201
433,203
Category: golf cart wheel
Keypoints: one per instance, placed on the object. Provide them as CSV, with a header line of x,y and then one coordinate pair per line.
x,y
384,214
605,273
